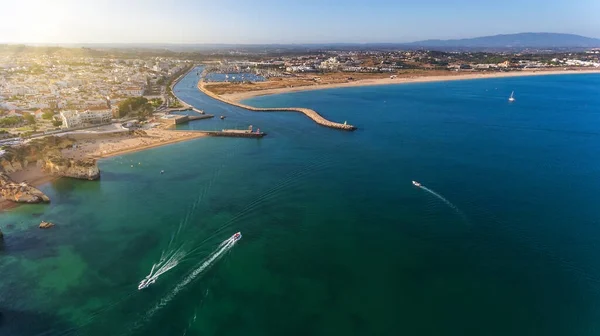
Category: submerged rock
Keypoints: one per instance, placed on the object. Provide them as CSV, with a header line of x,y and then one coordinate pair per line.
x,y
1,235
46,225
20,192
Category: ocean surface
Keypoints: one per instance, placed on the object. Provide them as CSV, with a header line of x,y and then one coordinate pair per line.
x,y
504,238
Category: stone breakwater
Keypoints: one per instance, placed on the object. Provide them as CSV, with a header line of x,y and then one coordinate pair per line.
x,y
312,114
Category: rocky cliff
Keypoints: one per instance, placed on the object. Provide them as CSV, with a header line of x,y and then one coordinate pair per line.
x,y
55,164
20,192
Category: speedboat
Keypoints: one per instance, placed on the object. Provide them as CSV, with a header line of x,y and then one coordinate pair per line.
x,y
146,282
415,183
237,236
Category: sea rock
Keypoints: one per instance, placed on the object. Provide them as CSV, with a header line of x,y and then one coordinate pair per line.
x,y
1,235
20,192
46,225
55,164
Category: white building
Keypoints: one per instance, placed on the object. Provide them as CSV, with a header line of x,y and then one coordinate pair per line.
x,y
72,119
331,63
133,91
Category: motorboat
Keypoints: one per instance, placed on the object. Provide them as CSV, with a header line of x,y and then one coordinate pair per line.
x,y
416,184
237,236
149,280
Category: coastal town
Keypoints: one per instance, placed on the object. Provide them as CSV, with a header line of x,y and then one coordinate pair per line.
x,y
109,103
42,92
365,167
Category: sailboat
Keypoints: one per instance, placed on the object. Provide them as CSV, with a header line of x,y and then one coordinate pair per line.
x,y
512,97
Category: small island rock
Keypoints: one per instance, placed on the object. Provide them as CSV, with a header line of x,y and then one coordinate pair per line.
x,y
46,225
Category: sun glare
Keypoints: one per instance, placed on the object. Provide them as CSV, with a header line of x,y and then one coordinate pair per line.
x,y
41,21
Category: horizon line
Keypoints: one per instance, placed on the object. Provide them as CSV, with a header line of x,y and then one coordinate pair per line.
x,y
282,43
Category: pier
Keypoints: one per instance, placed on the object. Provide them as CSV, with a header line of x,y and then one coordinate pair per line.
x,y
233,133
316,117
176,119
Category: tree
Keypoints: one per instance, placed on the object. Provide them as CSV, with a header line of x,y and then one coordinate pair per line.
x,y
29,118
156,102
47,115
56,123
10,121
130,105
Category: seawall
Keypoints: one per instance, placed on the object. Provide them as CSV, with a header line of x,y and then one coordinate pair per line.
x,y
316,117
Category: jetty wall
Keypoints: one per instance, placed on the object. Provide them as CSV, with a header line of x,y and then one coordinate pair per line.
x,y
312,114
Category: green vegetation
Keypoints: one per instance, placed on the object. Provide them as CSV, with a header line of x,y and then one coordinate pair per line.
x,y
11,121
131,104
156,102
56,123
145,111
47,115
175,103
29,118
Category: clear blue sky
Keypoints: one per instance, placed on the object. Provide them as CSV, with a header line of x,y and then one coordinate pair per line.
x,y
287,21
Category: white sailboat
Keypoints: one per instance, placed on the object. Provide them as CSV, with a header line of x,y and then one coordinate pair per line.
x,y
512,97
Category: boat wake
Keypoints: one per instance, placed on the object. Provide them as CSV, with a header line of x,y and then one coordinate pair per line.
x,y
166,263
441,198
223,248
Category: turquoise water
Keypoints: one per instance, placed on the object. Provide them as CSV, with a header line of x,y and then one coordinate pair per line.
x,y
336,239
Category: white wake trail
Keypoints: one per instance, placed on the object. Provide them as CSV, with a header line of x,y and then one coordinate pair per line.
x,y
443,199
165,264
224,247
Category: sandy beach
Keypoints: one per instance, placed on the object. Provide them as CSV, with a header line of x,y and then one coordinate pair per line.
x,y
422,78
101,148
32,174
106,147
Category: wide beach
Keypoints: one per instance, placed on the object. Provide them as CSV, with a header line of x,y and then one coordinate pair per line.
x,y
421,78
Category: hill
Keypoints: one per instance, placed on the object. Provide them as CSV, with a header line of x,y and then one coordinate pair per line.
x,y
522,40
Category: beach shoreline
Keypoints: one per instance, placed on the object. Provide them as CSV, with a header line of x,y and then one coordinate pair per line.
x,y
103,147
100,148
240,96
150,146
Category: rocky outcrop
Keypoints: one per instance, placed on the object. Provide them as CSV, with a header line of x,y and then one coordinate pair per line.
x,y
55,164
46,225
10,166
20,192
1,235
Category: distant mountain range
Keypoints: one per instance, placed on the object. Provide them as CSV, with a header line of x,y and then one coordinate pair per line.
x,y
509,41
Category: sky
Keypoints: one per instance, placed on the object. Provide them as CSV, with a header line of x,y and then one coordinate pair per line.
x,y
286,21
